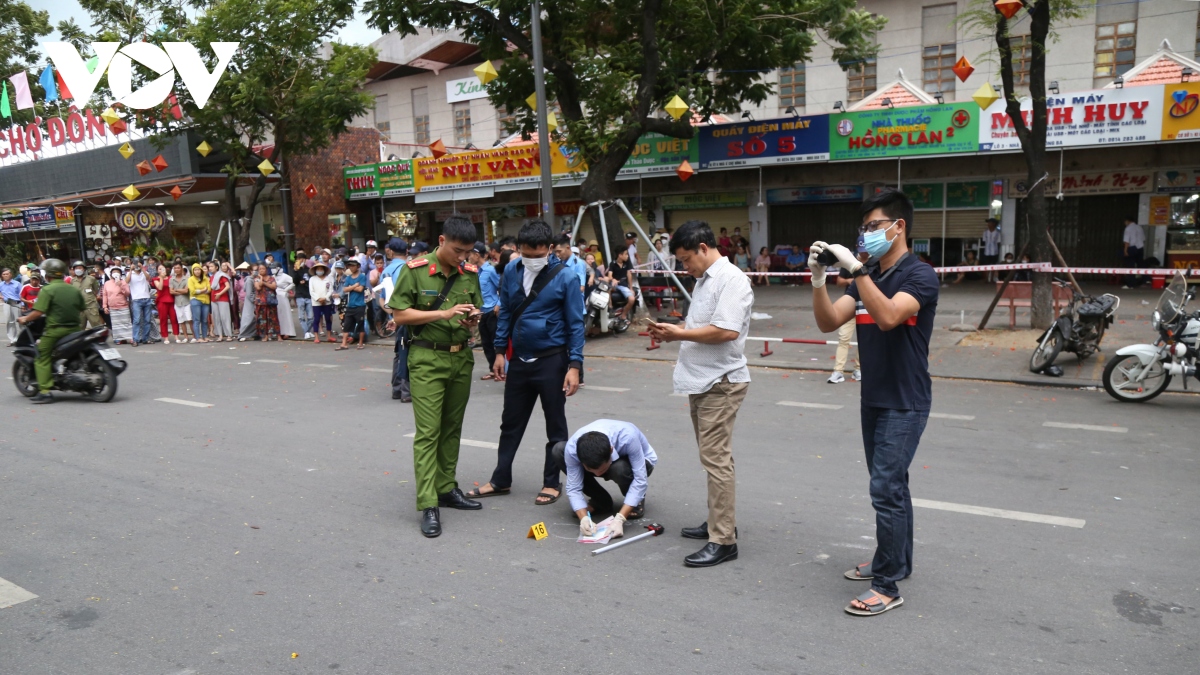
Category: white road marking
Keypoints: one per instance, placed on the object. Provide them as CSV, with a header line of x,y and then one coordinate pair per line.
x,y
999,513
177,353
1086,427
378,370
680,395
948,416
179,401
324,365
12,594
269,361
592,387
803,404
231,358
467,441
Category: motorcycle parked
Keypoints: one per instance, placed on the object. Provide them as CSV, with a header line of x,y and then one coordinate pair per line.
x,y
1141,372
600,317
83,362
1078,329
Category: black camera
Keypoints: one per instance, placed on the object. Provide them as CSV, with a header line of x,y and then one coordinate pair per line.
x,y
827,258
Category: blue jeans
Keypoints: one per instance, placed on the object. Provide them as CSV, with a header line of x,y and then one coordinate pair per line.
x,y
304,311
200,319
890,438
140,309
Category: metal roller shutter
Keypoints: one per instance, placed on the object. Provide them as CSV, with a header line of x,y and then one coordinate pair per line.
x,y
805,223
965,223
928,225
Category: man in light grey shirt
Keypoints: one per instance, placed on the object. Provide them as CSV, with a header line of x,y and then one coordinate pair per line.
x,y
615,451
712,371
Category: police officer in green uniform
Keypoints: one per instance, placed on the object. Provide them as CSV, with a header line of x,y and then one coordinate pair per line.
x,y
62,305
440,317
90,287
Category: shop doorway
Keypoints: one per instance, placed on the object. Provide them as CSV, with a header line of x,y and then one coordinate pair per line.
x,y
805,223
1087,230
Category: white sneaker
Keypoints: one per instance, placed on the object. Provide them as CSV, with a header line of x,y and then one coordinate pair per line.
x,y
308,336
857,375
836,377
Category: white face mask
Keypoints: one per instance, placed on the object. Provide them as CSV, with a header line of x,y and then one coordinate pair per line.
x,y
536,264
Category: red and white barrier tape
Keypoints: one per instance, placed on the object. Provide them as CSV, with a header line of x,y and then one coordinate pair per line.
x,y
1034,267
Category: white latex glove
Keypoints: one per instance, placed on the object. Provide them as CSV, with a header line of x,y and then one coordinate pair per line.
x,y
586,527
846,257
617,526
817,269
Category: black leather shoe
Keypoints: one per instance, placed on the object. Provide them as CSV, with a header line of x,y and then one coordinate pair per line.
x,y
712,554
431,522
700,532
455,499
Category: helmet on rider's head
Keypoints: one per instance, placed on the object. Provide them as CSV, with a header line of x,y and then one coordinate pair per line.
x,y
53,268
77,263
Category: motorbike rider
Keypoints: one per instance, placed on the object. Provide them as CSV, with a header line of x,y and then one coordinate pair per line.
x,y
62,304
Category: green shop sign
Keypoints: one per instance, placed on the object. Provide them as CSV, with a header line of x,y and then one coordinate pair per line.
x,y
710,200
656,153
903,132
395,178
372,181
975,194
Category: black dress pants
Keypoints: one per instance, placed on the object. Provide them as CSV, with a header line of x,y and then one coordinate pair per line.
x,y
523,386
487,334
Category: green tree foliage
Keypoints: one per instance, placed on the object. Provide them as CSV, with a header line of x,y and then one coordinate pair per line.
x,y
1041,16
613,64
282,90
21,28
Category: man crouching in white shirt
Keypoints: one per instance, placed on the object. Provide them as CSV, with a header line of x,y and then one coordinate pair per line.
x,y
615,451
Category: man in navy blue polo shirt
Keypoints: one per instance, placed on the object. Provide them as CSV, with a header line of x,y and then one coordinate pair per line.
x,y
892,299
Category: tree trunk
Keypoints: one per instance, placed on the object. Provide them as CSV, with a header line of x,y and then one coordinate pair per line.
x,y
1042,300
601,185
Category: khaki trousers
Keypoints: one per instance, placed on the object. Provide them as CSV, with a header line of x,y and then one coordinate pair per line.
x,y
713,414
845,337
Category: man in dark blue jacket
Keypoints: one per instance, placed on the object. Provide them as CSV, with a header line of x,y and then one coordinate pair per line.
x,y
546,335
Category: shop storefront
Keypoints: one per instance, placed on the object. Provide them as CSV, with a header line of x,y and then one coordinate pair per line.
x,y
949,217
719,209
800,216
1088,223
1177,207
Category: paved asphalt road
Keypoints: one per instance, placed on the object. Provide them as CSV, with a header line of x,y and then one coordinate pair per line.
x,y
162,538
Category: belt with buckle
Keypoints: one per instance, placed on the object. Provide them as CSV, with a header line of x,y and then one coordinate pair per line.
x,y
439,346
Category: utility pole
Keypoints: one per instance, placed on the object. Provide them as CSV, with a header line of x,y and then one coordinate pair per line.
x,y
539,79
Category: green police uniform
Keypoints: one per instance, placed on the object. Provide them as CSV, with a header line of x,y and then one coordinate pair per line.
x,y
90,287
62,304
439,371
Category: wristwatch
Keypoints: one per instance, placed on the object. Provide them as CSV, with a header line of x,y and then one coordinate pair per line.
x,y
862,271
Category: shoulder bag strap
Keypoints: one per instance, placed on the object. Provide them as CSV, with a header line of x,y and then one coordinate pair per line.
x,y
538,287
415,331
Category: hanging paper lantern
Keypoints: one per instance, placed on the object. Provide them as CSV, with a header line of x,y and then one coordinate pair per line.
x,y
310,190
985,96
159,163
204,148
532,101
676,107
131,193
1008,8
438,148
118,127
486,72
963,69
144,167
176,193
684,171
126,150
551,121
110,116
266,167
